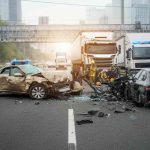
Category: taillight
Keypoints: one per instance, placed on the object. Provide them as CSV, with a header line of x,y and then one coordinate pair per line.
x,y
147,88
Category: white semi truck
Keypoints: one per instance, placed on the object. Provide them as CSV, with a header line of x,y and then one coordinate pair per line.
x,y
61,60
133,51
98,51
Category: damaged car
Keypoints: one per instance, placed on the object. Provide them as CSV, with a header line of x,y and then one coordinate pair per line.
x,y
30,80
140,87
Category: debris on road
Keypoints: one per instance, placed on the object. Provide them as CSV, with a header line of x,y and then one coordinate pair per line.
x,y
119,111
84,114
37,103
86,121
129,107
125,107
82,97
102,114
18,102
95,112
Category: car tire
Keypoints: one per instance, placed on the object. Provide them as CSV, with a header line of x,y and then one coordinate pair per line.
x,y
140,99
38,91
127,93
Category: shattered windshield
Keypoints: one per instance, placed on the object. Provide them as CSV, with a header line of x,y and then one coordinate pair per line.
x,y
29,69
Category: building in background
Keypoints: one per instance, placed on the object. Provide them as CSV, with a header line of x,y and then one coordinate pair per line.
x,y
96,16
116,12
137,11
4,10
140,13
15,11
10,11
44,20
109,13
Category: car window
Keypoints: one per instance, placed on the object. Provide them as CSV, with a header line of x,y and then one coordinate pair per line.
x,y
15,70
143,76
5,71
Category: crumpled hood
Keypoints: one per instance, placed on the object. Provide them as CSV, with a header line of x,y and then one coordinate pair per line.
x,y
52,77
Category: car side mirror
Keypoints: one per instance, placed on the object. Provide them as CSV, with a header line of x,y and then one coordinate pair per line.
x,y
19,75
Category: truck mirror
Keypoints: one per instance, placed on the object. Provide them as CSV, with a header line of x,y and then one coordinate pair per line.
x,y
127,54
119,49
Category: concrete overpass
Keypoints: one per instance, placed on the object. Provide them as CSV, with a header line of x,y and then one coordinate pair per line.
x,y
58,33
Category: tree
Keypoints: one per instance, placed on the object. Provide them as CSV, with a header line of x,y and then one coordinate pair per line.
x,y
9,51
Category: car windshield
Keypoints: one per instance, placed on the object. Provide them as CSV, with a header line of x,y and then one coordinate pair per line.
x,y
141,52
29,69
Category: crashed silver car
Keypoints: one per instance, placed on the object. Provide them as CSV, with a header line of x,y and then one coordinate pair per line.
x,y
140,87
30,80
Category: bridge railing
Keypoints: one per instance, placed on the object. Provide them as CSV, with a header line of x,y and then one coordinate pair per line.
x,y
36,33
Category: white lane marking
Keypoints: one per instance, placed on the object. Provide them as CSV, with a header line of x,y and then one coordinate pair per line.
x,y
72,145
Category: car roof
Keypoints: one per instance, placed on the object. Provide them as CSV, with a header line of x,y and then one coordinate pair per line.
x,y
16,66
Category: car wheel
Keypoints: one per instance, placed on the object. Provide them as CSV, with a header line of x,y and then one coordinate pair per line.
x,y
38,91
140,98
127,93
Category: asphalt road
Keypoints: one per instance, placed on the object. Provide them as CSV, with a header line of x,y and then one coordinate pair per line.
x,y
26,126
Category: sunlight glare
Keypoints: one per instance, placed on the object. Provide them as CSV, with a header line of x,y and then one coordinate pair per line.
x,y
63,47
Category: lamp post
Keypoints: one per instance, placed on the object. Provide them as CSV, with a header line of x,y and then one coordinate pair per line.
x,y
122,11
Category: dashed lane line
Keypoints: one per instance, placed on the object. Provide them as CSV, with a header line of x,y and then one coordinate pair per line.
x,y
72,144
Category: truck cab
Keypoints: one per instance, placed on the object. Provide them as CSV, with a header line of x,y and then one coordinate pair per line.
x,y
138,55
133,51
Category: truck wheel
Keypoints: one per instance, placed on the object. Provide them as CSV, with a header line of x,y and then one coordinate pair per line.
x,y
38,91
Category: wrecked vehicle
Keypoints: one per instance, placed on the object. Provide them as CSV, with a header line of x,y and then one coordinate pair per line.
x,y
120,88
140,87
30,80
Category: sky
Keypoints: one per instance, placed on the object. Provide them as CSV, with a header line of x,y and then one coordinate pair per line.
x,y
58,14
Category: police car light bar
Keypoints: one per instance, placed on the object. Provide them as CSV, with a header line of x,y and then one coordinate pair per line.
x,y
20,62
140,42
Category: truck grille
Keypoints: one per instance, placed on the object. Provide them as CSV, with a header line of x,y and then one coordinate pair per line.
x,y
142,65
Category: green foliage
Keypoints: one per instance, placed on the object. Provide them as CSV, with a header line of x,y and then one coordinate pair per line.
x,y
9,51
2,23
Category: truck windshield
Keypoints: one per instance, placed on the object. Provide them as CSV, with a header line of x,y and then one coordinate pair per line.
x,y
61,60
141,52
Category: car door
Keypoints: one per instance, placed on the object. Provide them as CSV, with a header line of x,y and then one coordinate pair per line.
x,y
142,81
4,75
134,85
16,80
138,85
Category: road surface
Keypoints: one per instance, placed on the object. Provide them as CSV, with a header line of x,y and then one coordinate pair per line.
x,y
26,126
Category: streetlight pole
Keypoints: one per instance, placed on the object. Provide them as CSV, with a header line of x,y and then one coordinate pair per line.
x,y
122,11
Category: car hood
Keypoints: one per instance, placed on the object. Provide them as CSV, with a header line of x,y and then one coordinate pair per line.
x,y
52,77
